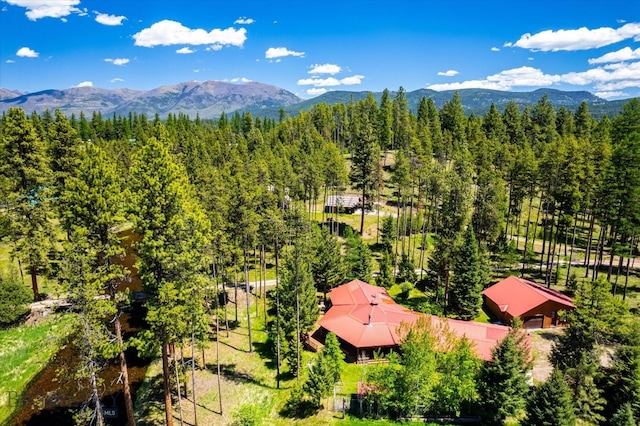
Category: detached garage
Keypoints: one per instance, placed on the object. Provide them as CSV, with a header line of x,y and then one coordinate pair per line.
x,y
537,306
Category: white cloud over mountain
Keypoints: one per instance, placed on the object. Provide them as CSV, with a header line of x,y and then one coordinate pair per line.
x,y
330,81
168,33
609,78
577,39
448,73
316,91
85,84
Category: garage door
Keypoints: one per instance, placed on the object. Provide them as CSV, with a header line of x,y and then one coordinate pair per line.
x,y
533,322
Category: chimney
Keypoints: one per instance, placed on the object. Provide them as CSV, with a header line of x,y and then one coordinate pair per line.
x,y
369,323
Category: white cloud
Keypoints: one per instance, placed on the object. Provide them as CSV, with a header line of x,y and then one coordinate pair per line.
x,y
111,20
495,49
244,21
624,54
241,80
37,9
448,73
316,91
504,80
330,81
354,79
196,70
279,52
10,61
319,82
607,95
608,78
117,80
325,69
85,84
167,33
214,48
118,61
185,51
579,39
26,52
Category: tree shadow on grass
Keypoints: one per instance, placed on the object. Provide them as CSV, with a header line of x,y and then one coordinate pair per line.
x,y
230,373
265,350
548,335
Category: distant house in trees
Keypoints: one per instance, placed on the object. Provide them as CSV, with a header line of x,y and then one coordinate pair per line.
x,y
537,306
366,320
347,203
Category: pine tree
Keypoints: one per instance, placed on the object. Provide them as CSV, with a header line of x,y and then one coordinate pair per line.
x,y
26,168
502,382
623,417
327,267
334,357
84,283
364,157
385,277
298,305
174,234
357,258
551,404
465,295
91,205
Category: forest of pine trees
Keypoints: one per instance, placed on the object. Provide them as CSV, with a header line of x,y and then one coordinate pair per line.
x,y
538,191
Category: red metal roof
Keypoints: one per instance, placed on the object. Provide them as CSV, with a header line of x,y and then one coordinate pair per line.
x,y
367,317
517,296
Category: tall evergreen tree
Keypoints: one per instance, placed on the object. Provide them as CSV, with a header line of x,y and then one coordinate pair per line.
x,y
550,404
327,267
29,196
502,382
364,158
298,304
357,258
174,235
465,298
92,207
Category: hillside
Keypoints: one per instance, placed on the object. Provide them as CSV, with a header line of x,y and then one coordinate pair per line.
x,y
209,99
476,101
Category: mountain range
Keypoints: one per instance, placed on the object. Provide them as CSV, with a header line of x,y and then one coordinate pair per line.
x,y
209,99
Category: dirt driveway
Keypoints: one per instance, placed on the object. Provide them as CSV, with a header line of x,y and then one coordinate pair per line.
x,y
542,342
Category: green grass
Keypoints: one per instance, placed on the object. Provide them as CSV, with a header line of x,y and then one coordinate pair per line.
x,y
24,352
10,267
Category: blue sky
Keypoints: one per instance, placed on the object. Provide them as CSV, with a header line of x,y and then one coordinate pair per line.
x,y
310,48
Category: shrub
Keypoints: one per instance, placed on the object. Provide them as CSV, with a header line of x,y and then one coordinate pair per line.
x,y
14,300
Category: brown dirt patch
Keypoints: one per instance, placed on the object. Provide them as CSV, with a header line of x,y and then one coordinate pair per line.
x,y
541,342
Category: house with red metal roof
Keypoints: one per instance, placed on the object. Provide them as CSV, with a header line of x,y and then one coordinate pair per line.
x,y
536,305
367,321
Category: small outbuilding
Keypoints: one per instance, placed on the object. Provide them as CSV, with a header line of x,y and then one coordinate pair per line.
x,y
347,203
536,305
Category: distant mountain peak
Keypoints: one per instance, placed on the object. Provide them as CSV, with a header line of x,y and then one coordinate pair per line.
x,y
208,99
